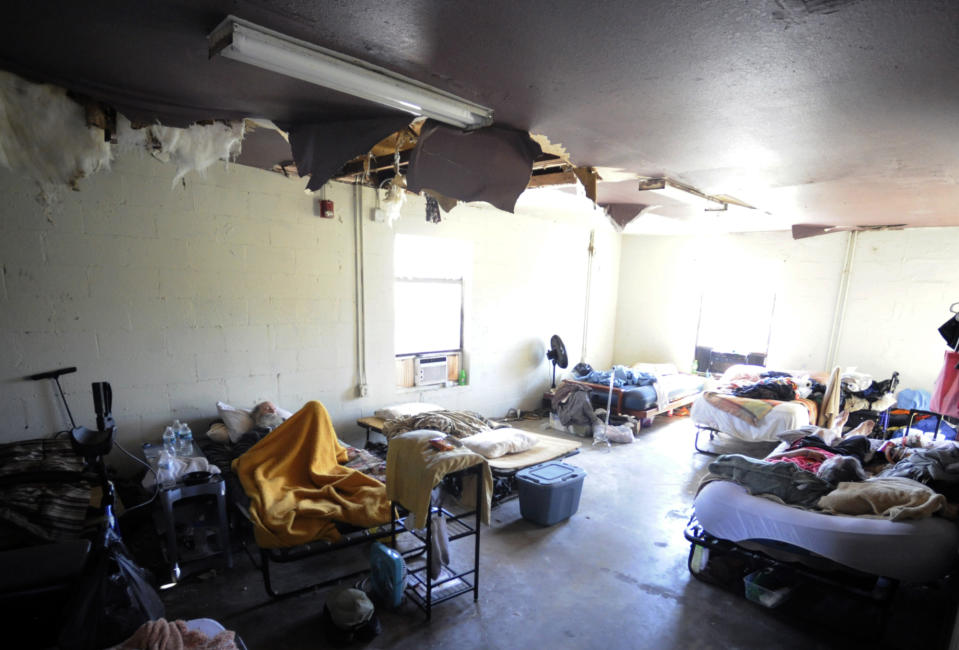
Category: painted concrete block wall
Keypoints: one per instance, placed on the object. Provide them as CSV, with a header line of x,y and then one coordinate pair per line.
x,y
663,278
232,288
900,288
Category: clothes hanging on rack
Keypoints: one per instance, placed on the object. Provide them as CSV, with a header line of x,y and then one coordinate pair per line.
x,y
945,395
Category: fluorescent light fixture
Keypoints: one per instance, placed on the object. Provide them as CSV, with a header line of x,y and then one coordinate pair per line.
x,y
243,41
681,193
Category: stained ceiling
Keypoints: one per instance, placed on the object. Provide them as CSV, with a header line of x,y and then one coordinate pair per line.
x,y
839,112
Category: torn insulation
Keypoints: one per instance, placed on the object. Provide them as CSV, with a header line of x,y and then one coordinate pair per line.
x,y
44,135
196,147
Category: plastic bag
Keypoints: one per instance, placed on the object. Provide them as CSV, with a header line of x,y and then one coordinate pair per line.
x,y
599,434
622,433
113,601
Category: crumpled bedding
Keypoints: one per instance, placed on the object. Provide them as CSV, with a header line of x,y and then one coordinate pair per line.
x,y
414,468
572,404
621,376
459,424
784,481
747,409
927,465
162,634
893,498
298,488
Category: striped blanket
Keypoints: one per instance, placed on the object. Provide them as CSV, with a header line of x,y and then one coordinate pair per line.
x,y
745,408
459,424
43,490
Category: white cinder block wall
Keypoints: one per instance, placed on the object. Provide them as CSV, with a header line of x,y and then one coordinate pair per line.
x,y
232,288
900,288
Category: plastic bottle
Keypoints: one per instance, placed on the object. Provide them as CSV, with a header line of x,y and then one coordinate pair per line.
x,y
169,441
151,453
462,377
184,441
165,470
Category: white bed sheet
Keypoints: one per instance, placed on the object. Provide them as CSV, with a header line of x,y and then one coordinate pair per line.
x,y
916,551
783,417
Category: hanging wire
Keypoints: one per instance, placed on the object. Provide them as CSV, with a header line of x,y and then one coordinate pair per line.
x,y
367,164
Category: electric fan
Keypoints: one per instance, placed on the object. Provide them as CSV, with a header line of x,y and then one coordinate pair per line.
x,y
557,354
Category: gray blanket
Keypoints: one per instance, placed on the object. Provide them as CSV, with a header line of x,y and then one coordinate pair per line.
x,y
785,481
928,465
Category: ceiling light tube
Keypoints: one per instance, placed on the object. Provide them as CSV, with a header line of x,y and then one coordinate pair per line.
x,y
680,193
243,41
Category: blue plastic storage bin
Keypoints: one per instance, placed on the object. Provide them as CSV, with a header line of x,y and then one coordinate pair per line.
x,y
550,492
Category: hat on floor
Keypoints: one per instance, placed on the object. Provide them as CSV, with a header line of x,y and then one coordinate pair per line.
x,y
349,614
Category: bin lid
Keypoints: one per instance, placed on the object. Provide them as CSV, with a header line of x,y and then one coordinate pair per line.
x,y
551,473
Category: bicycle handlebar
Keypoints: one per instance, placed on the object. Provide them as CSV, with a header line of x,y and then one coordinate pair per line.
x,y
51,374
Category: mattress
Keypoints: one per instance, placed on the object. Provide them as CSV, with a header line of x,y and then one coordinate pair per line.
x,y
783,417
914,551
642,398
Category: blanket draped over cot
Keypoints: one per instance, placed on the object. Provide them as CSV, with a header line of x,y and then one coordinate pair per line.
x,y
298,488
414,468
459,424
745,408
750,410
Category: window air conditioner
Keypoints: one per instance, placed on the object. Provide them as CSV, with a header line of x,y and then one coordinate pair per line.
x,y
429,370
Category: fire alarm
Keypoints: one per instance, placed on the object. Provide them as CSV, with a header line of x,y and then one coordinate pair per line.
x,y
326,209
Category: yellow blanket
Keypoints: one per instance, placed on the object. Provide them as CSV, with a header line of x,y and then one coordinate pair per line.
x,y
297,487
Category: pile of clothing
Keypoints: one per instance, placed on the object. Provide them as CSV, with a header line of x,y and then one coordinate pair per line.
x,y
620,376
858,391
781,388
851,474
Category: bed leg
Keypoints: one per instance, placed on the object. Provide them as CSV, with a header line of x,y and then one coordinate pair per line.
x,y
265,570
712,433
480,504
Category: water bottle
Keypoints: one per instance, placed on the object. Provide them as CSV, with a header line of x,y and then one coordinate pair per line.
x,y
169,441
165,470
184,441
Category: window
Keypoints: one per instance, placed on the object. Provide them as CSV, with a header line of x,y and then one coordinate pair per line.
x,y
736,315
428,294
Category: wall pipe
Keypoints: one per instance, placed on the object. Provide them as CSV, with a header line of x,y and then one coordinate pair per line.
x,y
839,314
591,251
361,388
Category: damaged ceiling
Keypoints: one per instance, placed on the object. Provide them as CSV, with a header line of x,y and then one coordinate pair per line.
x,y
836,112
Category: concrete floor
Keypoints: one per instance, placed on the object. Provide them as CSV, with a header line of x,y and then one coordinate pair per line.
x,y
612,576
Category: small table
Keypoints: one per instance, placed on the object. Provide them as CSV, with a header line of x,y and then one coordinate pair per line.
x,y
202,518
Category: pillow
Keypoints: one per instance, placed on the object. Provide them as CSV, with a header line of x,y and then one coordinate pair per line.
x,y
656,369
742,372
236,420
406,409
499,442
218,432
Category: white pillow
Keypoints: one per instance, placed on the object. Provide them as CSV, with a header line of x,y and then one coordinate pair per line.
x,y
404,410
656,369
236,420
499,442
